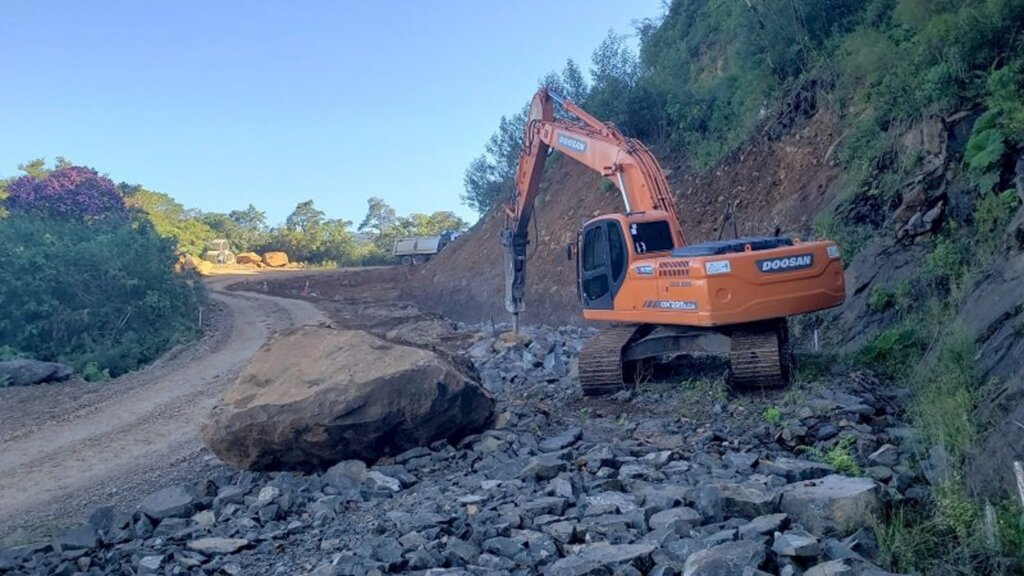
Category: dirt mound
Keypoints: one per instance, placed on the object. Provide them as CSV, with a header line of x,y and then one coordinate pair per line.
x,y
775,184
248,258
202,267
275,259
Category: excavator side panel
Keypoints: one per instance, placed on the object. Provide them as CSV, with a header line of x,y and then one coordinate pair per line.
x,y
727,289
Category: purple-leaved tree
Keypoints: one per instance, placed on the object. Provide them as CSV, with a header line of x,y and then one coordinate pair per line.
x,y
73,192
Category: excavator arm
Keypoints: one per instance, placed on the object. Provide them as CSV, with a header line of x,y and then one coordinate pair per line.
x,y
625,162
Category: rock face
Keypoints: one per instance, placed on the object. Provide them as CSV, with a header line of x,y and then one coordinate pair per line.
x,y
993,315
314,396
249,258
24,372
275,259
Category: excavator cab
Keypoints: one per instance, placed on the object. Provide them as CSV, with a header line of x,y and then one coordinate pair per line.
x,y
607,247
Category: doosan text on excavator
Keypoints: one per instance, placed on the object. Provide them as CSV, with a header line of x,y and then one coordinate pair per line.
x,y
636,273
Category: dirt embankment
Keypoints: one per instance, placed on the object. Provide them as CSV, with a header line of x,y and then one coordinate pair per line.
x,y
779,183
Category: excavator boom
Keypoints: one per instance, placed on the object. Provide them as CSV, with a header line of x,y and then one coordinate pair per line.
x,y
625,162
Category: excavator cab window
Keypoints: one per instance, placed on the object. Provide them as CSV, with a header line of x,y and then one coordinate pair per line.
x,y
616,251
594,249
602,263
651,237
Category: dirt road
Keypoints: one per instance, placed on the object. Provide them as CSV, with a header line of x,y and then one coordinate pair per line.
x,y
67,448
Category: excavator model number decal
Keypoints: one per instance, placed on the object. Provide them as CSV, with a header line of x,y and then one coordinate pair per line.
x,y
572,143
671,304
798,262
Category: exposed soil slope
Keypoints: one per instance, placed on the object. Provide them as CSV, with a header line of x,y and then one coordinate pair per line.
x,y
780,183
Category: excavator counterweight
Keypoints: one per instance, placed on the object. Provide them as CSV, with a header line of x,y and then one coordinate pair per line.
x,y
635,270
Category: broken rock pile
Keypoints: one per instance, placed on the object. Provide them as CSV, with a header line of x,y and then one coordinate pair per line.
x,y
557,486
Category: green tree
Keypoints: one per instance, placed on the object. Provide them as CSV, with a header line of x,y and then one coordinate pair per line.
x,y
491,177
221,224
482,187
35,168
169,218
336,242
309,236
573,83
305,218
435,223
383,224
251,228
379,217
99,296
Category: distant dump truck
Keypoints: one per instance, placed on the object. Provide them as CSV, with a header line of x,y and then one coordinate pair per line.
x,y
415,250
219,252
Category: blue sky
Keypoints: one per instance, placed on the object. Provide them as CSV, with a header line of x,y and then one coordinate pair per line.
x,y
221,104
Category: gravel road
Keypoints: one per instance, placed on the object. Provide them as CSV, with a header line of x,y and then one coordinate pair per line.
x,y
67,448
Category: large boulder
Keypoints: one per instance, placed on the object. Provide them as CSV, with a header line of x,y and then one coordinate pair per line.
x,y
249,258
24,372
275,259
834,505
314,396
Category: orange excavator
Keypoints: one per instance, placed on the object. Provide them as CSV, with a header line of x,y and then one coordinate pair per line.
x,y
661,296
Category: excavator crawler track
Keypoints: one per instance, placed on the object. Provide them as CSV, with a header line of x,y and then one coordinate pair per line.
x,y
760,356
600,361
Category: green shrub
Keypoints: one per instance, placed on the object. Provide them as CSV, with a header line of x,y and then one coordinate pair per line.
x,y
91,373
907,541
992,214
894,351
8,353
813,367
772,415
949,263
839,228
839,456
101,297
879,299
944,395
1005,86
899,298
1010,523
955,510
